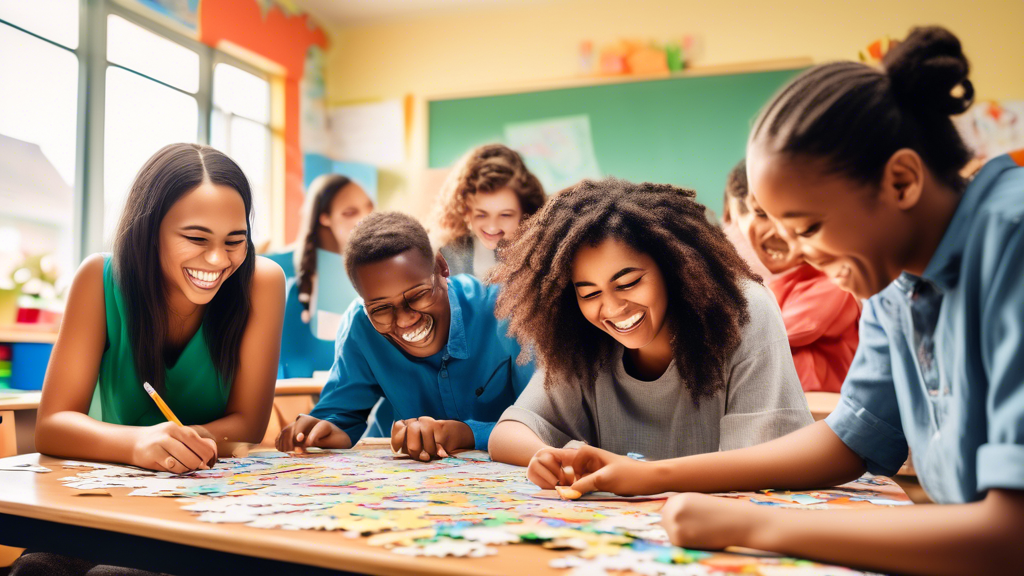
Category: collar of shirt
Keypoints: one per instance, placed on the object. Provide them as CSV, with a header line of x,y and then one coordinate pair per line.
x,y
456,346
944,267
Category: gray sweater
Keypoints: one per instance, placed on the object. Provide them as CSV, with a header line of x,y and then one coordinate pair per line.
x,y
762,400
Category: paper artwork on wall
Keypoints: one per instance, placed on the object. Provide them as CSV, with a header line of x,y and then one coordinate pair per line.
x,y
184,13
993,128
369,133
559,151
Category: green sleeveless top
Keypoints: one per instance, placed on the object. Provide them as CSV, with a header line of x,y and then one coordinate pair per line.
x,y
193,387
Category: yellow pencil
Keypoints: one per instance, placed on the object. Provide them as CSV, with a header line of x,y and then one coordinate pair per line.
x,y
164,408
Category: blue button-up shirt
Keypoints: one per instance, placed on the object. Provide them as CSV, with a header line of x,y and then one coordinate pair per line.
x,y
474,378
940,366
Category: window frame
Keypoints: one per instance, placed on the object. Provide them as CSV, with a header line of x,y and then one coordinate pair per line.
x,y
275,175
88,209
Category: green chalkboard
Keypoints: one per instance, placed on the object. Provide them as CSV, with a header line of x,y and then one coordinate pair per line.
x,y
686,131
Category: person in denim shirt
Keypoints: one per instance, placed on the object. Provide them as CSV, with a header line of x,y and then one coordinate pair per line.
x,y
860,168
428,343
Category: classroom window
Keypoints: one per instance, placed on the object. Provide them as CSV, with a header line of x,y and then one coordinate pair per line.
x,y
55,20
141,117
38,142
240,127
138,49
149,104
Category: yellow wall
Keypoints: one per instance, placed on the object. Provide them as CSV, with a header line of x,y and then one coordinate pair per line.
x,y
539,40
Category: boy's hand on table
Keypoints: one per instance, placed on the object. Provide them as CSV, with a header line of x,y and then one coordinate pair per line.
x,y
603,471
309,432
424,438
552,467
168,447
708,522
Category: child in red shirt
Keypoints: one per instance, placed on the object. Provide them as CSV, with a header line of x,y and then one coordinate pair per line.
x,y
821,319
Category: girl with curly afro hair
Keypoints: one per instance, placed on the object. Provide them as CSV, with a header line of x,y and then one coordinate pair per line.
x,y
861,169
652,335
488,193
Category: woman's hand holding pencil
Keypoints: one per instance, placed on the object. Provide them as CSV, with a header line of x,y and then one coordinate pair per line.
x,y
171,446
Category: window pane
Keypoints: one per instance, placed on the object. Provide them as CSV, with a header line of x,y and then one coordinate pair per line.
x,y
250,148
141,117
38,106
55,20
241,93
39,97
139,49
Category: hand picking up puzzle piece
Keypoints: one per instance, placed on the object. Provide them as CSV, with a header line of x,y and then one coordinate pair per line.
x,y
567,493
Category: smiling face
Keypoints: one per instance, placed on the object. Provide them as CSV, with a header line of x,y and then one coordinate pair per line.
x,y
772,250
493,216
349,205
391,288
622,292
851,231
202,241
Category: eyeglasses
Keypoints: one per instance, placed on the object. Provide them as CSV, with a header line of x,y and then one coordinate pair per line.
x,y
418,299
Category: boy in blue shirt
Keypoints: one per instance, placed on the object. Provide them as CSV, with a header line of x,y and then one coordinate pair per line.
x,y
428,343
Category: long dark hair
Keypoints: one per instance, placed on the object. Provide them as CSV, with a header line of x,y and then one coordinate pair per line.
x,y
318,201
855,117
167,176
703,273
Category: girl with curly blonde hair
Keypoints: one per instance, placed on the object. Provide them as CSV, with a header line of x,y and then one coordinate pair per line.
x,y
489,192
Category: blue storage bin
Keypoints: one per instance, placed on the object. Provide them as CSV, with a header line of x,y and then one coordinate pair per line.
x,y
28,365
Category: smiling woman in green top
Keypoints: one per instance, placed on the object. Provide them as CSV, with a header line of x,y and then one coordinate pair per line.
x,y
184,304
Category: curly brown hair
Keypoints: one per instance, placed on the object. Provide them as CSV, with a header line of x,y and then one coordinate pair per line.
x,y
487,168
697,261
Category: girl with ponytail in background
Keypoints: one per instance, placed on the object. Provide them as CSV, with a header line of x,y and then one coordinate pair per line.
x,y
334,205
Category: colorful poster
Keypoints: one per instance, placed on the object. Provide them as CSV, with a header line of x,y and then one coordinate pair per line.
x,y
559,151
183,12
993,128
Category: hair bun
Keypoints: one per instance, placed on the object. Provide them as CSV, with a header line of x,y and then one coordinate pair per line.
x,y
924,70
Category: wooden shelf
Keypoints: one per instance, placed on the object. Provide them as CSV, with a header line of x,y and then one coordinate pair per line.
x,y
12,334
12,399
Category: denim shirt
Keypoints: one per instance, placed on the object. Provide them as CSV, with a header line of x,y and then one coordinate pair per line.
x,y
473,379
940,366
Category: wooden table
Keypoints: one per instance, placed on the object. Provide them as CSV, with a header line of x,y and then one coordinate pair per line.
x,y
17,431
38,512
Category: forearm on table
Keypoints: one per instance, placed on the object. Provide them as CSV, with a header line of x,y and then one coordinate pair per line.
x,y
72,434
977,538
237,427
514,443
811,457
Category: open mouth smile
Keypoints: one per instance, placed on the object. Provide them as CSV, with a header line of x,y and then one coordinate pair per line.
x,y
777,250
629,324
420,334
203,279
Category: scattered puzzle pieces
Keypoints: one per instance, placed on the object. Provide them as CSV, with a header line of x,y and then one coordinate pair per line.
x,y
459,507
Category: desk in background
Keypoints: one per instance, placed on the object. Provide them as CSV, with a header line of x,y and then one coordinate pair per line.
x,y
292,396
18,421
